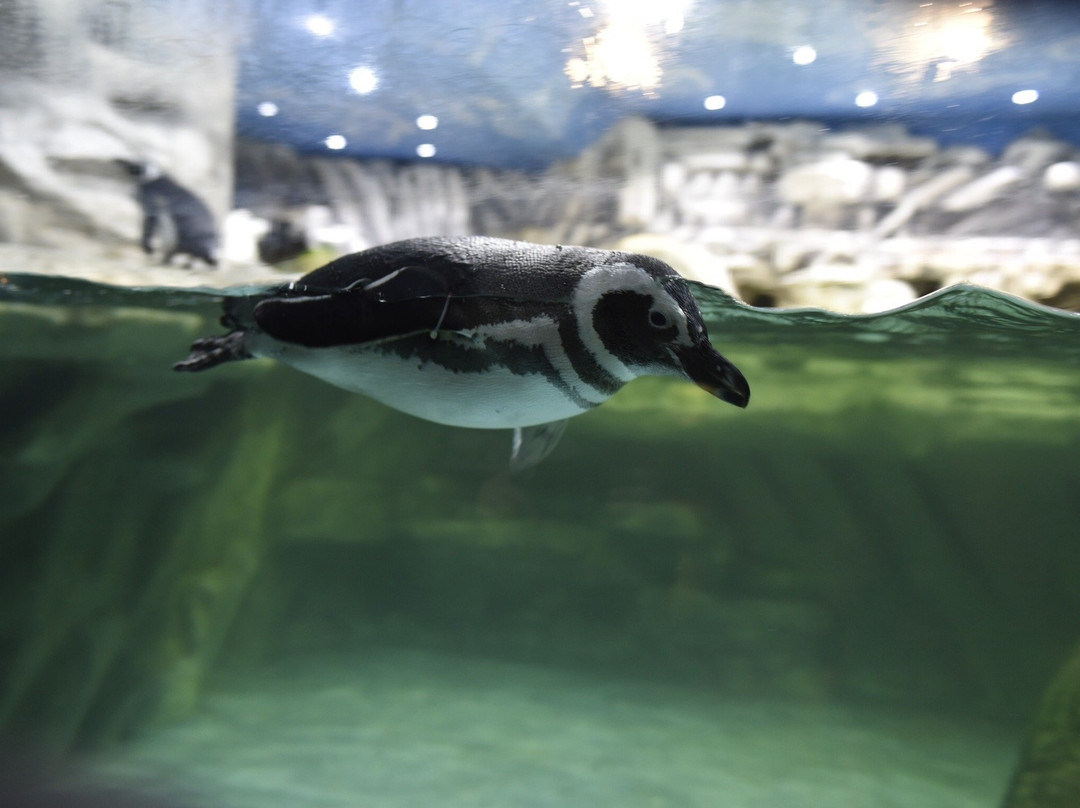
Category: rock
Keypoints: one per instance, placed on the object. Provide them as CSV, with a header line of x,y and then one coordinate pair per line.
x,y
718,161
1062,177
832,181
718,187
843,288
881,144
971,156
889,184
94,98
921,196
329,510
694,262
632,151
983,190
1033,153
1048,774
241,236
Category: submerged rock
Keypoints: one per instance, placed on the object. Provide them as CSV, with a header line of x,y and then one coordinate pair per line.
x,y
1048,775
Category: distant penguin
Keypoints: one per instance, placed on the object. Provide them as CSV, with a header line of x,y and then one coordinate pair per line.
x,y
481,332
283,242
175,221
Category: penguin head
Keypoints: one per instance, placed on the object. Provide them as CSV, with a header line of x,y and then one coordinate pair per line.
x,y
638,318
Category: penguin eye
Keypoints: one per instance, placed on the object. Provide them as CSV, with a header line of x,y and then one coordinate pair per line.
x,y
657,319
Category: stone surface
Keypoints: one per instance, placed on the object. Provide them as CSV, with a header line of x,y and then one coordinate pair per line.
x,y
765,209
1048,775
110,80
399,728
772,226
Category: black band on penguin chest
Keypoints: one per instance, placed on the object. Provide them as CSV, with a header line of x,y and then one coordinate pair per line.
x,y
356,321
465,353
590,371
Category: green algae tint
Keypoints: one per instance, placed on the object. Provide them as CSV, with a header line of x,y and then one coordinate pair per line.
x,y
882,546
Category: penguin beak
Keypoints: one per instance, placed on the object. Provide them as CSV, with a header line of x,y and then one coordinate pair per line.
x,y
714,374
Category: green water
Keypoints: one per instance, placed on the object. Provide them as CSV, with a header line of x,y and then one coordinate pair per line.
x,y
251,588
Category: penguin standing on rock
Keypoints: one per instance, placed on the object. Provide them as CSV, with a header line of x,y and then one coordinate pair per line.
x,y
481,332
175,221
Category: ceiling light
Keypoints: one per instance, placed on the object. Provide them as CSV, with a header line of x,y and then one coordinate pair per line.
x,y
268,109
867,98
715,102
319,25
427,122
803,55
363,80
426,150
1025,96
336,142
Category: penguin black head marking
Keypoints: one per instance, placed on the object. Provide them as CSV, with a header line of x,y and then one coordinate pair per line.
x,y
638,318
635,330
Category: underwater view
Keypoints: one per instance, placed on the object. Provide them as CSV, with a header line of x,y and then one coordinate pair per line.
x,y
539,404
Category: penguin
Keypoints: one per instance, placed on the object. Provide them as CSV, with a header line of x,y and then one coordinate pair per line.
x,y
175,221
481,332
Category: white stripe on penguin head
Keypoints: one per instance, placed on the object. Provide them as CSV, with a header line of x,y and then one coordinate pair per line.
x,y
607,278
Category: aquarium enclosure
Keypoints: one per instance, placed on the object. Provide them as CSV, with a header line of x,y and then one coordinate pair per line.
x,y
250,587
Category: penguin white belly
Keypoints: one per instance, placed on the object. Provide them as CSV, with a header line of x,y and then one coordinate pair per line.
x,y
496,398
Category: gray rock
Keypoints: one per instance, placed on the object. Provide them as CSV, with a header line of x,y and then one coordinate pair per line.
x,y
113,88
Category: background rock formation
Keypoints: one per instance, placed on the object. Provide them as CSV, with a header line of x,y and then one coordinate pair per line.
x,y
788,214
83,83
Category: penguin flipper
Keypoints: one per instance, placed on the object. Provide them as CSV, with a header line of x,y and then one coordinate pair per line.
x,y
533,443
213,351
410,300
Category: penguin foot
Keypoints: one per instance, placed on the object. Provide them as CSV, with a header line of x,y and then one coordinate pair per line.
x,y
213,351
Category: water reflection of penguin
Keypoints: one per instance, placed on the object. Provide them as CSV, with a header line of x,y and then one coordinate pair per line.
x,y
175,221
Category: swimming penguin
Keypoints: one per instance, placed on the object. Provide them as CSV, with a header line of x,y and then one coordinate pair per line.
x,y
175,221
481,332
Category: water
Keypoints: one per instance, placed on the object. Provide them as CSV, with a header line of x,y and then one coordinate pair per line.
x,y
246,587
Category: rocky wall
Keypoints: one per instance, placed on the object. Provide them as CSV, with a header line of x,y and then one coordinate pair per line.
x,y
84,83
789,214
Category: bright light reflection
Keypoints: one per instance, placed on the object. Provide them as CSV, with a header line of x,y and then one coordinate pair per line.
x,y
943,40
336,142
674,23
578,70
625,50
1025,96
363,80
426,150
965,40
268,109
320,25
867,98
624,56
715,102
427,122
804,55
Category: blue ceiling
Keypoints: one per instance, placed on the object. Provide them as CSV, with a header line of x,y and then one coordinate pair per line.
x,y
495,72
